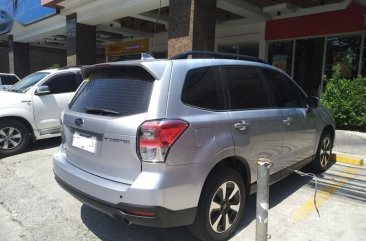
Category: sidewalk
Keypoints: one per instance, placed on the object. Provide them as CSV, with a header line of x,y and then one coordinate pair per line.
x,y
350,144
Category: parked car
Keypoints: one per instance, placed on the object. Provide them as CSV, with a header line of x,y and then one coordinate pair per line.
x,y
167,143
33,106
7,80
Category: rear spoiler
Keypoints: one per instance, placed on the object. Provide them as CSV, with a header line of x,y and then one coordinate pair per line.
x,y
128,71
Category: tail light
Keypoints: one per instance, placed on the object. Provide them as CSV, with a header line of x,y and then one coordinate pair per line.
x,y
156,137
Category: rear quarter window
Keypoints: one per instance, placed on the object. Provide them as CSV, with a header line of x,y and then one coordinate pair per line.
x,y
120,91
203,89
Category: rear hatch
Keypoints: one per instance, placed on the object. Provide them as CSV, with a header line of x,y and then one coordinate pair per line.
x,y
100,126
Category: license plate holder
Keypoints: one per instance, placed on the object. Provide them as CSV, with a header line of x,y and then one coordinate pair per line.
x,y
84,142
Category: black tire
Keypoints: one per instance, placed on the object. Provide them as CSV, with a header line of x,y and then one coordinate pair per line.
x,y
14,137
323,154
209,223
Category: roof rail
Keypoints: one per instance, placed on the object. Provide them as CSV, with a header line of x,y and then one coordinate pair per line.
x,y
218,55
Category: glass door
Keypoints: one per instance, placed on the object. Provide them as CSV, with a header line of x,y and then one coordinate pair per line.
x,y
308,64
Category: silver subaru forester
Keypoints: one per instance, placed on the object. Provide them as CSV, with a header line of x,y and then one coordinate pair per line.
x,y
167,143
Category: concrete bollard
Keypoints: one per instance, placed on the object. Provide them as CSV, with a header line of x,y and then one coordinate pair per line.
x,y
262,206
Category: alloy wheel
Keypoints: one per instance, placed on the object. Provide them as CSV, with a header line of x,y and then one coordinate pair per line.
x,y
10,138
325,151
224,207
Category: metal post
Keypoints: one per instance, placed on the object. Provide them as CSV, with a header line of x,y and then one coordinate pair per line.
x,y
263,166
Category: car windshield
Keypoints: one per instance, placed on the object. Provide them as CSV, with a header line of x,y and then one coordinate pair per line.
x,y
27,82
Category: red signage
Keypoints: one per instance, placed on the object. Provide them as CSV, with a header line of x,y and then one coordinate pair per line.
x,y
348,20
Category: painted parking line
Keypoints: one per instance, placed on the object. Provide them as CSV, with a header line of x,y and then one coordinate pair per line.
x,y
323,194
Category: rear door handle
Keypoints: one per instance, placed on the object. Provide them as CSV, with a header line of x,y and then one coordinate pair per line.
x,y
242,125
288,121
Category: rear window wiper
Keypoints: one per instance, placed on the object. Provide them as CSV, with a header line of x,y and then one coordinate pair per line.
x,y
100,111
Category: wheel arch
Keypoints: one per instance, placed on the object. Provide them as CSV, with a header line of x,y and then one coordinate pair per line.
x,y
331,130
200,227
22,120
239,164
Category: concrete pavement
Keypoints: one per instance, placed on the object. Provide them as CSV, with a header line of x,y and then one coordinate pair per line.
x,y
350,142
34,207
350,147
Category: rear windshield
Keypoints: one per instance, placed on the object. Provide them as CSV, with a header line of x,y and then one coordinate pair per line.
x,y
117,91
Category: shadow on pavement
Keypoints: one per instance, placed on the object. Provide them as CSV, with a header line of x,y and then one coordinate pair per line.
x,y
277,193
107,228
39,145
344,181
44,144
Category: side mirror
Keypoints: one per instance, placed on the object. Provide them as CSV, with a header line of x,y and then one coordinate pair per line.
x,y
312,102
42,90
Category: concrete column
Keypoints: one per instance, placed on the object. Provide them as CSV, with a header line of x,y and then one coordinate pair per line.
x,y
263,49
4,58
81,42
191,25
263,44
18,57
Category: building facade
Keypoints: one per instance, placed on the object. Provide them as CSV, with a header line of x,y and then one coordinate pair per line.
x,y
304,38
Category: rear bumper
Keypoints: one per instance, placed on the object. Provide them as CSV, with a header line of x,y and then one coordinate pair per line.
x,y
163,217
169,195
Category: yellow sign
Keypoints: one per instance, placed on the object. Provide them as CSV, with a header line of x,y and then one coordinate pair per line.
x,y
129,47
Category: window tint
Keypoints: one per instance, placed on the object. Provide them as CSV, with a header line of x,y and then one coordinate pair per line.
x,y
284,90
118,91
8,79
203,88
246,90
62,83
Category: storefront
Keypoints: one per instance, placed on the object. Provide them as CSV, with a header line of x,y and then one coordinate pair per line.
x,y
307,47
304,38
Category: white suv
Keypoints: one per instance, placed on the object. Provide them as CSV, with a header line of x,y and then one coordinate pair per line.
x,y
30,110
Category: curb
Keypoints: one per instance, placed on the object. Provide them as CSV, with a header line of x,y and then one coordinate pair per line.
x,y
347,159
